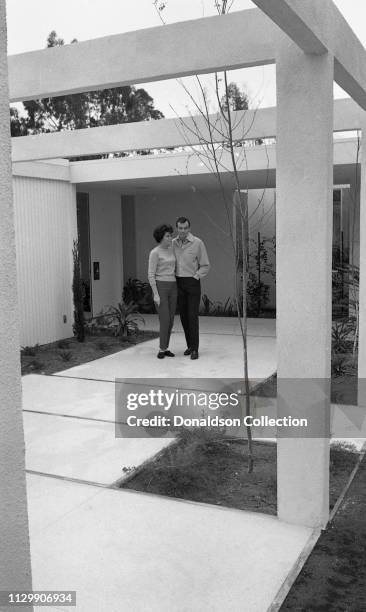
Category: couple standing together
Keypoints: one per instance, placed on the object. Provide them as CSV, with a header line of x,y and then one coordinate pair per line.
x,y
176,267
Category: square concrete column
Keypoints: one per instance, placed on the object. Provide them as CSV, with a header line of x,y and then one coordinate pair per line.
x,y
304,248
15,565
361,400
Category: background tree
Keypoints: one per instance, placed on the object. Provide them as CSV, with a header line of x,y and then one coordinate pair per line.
x,y
18,124
234,99
84,110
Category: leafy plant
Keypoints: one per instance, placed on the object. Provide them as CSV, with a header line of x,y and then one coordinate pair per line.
x,y
227,309
128,469
218,309
139,293
102,346
78,293
207,305
30,351
65,355
345,285
63,344
36,364
340,366
342,336
259,264
123,318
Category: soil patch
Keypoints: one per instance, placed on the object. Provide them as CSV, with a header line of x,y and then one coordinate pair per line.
x,y
343,388
64,354
334,576
204,468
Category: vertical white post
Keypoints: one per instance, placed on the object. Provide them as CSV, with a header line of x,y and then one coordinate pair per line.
x,y
304,248
15,564
362,287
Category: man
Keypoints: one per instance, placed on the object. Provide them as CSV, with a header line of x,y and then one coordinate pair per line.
x,y
192,265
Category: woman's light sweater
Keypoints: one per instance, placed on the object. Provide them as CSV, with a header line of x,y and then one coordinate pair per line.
x,y
161,266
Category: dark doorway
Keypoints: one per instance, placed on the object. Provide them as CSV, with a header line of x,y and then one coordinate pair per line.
x,y
82,211
340,254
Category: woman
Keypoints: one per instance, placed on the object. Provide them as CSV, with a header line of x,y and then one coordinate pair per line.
x,y
161,275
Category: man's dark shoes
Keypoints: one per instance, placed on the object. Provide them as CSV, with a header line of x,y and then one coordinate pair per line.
x,y
161,355
194,354
188,351
169,354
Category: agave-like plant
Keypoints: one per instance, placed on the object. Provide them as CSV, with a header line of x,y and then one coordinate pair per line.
x,y
124,318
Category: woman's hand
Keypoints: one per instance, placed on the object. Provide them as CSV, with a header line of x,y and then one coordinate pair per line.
x,y
157,299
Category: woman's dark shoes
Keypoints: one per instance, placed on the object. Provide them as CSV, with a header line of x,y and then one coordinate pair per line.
x,y
194,354
169,354
161,355
188,351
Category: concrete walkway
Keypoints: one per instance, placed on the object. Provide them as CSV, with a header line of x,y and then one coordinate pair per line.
x,y
221,354
122,550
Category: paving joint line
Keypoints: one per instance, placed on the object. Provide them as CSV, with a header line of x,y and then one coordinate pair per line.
x,y
72,416
70,479
79,377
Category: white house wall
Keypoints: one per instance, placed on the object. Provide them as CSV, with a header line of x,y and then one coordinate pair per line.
x,y
209,221
45,225
105,247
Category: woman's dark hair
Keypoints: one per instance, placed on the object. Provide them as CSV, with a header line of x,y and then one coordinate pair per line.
x,y
161,230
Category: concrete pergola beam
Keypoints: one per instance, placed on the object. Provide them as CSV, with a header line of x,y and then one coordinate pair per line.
x,y
238,40
164,133
319,27
191,47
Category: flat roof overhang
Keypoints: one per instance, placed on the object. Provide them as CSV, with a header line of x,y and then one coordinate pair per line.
x,y
253,179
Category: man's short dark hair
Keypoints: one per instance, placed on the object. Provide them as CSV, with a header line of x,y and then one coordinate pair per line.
x,y
161,230
182,220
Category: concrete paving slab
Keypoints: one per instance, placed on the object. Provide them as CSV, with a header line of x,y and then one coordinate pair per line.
x,y
219,325
221,356
91,399
50,499
122,550
83,449
128,551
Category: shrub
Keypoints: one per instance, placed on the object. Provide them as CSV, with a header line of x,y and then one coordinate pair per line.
x,y
36,364
140,293
343,335
218,309
65,355
101,345
121,320
30,351
340,366
63,344
124,318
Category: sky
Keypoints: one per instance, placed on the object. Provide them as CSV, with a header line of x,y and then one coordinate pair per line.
x,y
30,21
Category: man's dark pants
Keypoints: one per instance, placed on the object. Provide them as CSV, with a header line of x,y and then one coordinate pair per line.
x,y
189,296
